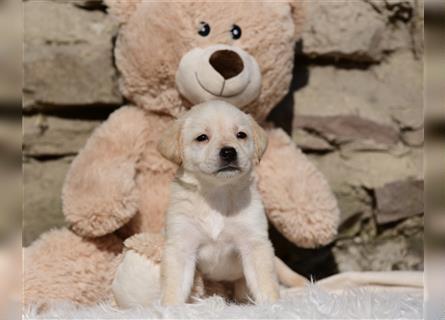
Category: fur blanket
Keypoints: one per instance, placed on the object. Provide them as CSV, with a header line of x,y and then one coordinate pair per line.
x,y
317,301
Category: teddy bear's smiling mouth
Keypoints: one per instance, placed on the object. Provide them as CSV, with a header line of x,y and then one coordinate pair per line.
x,y
221,94
201,76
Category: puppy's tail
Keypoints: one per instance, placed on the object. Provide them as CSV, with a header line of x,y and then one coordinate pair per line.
x,y
287,276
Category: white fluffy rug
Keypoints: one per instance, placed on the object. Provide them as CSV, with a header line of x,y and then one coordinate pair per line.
x,y
309,303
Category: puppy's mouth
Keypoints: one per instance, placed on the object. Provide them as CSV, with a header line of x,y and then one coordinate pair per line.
x,y
229,168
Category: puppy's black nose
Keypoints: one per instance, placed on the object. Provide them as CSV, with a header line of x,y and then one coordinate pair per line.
x,y
228,154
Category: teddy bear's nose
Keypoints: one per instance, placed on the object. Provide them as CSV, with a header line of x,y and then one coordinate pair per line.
x,y
227,63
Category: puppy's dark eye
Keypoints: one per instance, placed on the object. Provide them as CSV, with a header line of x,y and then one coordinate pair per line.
x,y
204,29
202,137
236,32
241,135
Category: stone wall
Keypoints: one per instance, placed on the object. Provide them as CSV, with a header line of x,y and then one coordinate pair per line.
x,y
355,108
10,124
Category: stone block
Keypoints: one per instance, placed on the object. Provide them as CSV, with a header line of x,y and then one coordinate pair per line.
x,y
360,30
399,200
42,205
54,136
68,57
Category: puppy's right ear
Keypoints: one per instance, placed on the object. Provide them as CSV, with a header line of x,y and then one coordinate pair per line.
x,y
122,9
170,144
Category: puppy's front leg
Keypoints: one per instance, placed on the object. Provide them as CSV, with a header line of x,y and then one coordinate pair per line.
x,y
177,272
259,270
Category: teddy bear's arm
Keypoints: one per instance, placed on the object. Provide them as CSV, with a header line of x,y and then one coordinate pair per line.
x,y
297,197
99,194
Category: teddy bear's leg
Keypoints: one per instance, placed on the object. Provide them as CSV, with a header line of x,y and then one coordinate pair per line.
x,y
297,197
61,266
138,279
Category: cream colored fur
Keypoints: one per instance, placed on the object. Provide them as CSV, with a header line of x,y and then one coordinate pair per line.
x,y
118,185
216,220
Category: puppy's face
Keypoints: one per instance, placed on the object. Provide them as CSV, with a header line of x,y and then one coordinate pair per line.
x,y
215,139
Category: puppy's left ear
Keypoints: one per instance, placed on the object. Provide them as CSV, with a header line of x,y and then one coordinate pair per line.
x,y
260,139
170,144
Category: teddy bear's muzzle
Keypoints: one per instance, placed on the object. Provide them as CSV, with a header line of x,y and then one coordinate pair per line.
x,y
223,72
219,72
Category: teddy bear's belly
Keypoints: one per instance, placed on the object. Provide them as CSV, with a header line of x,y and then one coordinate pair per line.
x,y
220,261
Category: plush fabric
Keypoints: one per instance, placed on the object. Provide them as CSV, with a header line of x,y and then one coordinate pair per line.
x,y
118,184
63,266
305,212
310,303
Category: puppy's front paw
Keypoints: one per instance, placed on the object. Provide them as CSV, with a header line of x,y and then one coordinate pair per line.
x,y
169,299
268,296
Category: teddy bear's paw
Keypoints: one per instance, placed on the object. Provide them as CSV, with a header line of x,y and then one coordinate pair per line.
x,y
147,244
137,281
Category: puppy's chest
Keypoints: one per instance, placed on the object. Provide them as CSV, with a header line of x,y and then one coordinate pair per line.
x,y
218,255
214,225
218,221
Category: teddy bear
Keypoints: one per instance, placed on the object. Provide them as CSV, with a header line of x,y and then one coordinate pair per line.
x,y
170,56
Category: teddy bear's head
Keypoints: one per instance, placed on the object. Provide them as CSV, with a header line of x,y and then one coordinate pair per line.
x,y
173,55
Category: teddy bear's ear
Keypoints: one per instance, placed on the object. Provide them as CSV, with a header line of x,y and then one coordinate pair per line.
x,y
170,144
260,139
294,8
122,9
297,10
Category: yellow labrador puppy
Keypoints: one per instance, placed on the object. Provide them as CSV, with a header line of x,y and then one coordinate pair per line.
x,y
216,220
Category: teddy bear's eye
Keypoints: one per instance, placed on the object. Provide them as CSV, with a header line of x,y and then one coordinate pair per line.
x,y
204,29
236,32
241,135
202,137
